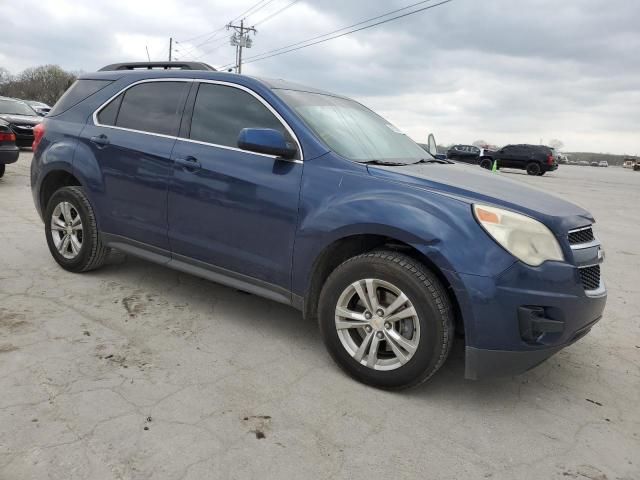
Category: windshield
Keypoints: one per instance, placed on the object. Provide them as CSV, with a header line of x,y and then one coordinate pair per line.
x,y
352,130
12,107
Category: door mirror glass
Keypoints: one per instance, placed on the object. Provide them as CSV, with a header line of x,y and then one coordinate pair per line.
x,y
267,141
433,147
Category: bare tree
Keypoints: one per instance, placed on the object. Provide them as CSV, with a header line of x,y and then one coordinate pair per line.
x,y
45,83
480,143
555,143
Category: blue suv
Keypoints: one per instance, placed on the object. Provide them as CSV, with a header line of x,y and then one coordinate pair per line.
x,y
310,199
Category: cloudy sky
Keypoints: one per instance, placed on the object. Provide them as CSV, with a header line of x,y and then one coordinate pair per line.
x,y
506,71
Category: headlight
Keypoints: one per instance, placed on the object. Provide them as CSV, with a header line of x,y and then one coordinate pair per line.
x,y
522,236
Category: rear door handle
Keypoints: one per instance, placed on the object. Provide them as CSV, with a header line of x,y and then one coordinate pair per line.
x,y
100,140
190,164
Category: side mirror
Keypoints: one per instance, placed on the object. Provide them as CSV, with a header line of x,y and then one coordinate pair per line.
x,y
267,141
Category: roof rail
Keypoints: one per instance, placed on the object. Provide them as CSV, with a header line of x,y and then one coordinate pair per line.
x,y
158,66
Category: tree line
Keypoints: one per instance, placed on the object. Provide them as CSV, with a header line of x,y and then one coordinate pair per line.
x,y
45,83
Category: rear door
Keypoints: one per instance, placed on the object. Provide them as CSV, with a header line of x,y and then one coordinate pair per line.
x,y
230,208
508,157
132,138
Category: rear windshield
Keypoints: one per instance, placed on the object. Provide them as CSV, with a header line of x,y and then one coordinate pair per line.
x,y
15,107
80,90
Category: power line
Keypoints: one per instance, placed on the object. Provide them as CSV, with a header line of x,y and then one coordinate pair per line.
x,y
216,47
212,37
265,2
305,43
368,20
192,49
256,8
269,17
204,34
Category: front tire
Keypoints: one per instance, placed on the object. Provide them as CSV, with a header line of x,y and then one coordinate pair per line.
x,y
533,169
2,168
486,163
386,320
72,232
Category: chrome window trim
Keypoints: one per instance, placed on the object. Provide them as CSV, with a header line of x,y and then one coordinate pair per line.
x,y
131,85
215,82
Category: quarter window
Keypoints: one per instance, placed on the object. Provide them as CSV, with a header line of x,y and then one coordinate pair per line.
x,y
109,114
221,112
154,107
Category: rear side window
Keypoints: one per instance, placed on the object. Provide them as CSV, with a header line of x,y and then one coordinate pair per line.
x,y
220,113
154,107
80,90
108,114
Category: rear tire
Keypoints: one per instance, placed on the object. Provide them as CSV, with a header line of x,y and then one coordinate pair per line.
x,y
486,163
408,351
72,232
2,168
533,169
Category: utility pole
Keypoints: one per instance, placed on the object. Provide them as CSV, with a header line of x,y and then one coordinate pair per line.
x,y
170,47
240,39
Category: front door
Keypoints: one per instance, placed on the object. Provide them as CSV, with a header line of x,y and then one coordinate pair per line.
x,y
132,143
229,208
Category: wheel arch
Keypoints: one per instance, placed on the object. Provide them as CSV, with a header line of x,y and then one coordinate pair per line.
x,y
350,246
54,180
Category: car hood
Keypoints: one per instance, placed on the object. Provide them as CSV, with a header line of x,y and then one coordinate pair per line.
x,y
472,184
23,119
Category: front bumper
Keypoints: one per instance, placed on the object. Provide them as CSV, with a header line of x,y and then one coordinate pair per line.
x,y
483,363
500,340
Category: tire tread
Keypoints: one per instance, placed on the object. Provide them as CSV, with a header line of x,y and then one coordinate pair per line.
x,y
432,285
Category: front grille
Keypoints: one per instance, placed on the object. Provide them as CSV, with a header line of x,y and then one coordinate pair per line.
x,y
590,277
584,235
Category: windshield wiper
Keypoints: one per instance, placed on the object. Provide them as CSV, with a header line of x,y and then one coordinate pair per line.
x,y
385,163
399,164
435,160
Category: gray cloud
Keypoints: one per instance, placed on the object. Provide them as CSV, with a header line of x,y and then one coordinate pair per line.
x,y
500,70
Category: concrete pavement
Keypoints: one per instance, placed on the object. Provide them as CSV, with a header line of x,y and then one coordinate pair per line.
x,y
135,371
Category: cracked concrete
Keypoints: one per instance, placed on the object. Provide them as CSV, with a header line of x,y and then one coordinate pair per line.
x,y
137,372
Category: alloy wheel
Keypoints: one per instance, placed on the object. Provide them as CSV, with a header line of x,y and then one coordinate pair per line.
x,y
66,230
377,324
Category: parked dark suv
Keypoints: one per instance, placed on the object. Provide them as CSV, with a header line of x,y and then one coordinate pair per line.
x,y
312,200
535,159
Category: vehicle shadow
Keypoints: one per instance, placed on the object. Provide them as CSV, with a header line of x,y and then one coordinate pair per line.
x,y
525,174
244,311
234,308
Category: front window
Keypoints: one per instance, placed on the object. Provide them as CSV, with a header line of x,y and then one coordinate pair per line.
x,y
12,107
222,112
352,130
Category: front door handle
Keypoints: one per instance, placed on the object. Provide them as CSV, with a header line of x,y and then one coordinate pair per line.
x,y
101,140
190,164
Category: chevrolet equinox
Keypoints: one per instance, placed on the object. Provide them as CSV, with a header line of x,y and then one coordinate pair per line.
x,y
310,199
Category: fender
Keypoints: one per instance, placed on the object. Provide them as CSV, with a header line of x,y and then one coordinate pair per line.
x,y
55,153
338,202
